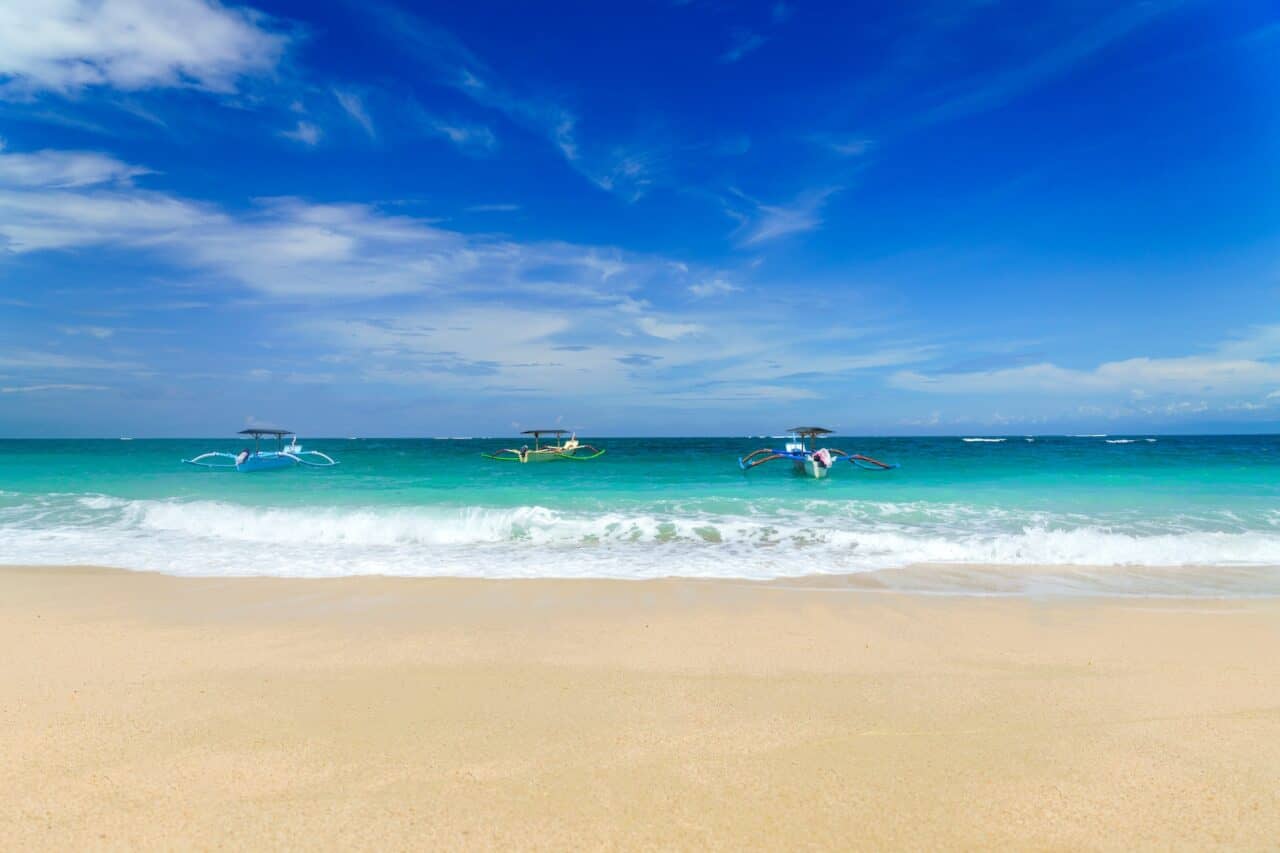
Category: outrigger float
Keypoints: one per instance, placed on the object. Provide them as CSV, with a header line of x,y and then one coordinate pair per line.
x,y
815,463
551,451
284,456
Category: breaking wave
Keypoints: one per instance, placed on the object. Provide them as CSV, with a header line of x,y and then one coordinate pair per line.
x,y
760,539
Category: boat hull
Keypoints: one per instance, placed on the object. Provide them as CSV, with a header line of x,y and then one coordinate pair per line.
x,y
812,468
268,461
542,456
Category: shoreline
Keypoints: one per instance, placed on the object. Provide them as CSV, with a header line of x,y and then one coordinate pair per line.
x,y
1000,580
150,710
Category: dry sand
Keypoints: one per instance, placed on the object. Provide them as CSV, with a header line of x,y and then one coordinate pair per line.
x,y
144,711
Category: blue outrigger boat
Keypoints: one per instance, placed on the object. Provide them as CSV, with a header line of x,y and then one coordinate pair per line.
x,y
815,463
246,461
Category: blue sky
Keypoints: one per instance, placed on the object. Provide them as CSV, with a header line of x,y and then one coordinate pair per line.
x,y
693,217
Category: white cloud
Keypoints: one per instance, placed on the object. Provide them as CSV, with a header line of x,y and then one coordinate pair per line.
x,y
35,389
505,350
628,174
67,45
63,169
767,222
354,106
666,329
471,138
99,332
744,42
1199,374
579,351
717,394
493,208
36,360
59,219
557,315
290,248
477,348
712,287
846,146
305,132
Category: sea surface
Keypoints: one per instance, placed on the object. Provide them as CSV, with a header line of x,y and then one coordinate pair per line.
x,y
1140,515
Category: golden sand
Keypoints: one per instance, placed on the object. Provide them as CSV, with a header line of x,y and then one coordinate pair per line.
x,y
144,711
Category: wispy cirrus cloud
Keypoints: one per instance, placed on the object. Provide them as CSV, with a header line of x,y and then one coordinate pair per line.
x,y
469,138
989,90
744,42
64,46
763,223
622,170
26,359
928,75
353,105
50,387
500,207
306,132
845,145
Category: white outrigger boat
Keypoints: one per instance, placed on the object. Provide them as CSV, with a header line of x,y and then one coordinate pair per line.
x,y
553,451
284,456
814,463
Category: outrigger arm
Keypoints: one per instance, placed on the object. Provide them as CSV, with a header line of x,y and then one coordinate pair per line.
x,y
767,454
864,462
297,457
749,461
199,460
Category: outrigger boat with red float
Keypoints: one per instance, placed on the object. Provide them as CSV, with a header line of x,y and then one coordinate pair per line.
x,y
552,451
815,463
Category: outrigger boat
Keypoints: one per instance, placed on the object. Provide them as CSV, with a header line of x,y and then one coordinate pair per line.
x,y
815,463
552,451
284,456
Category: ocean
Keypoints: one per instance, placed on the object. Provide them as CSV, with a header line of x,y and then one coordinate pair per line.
x,y
1113,515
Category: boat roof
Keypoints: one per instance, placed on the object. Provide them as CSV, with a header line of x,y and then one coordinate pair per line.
x,y
809,430
536,432
265,431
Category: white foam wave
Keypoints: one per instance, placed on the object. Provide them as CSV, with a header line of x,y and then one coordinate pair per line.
x,y
770,541
984,440
1121,441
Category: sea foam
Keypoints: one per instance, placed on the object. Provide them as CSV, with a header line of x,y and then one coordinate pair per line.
x,y
761,540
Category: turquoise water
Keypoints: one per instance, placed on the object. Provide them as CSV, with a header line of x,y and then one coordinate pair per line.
x,y
1130,514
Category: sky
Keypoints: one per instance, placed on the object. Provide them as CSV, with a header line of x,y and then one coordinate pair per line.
x,y
687,217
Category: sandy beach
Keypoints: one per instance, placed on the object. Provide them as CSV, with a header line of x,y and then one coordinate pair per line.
x,y
145,711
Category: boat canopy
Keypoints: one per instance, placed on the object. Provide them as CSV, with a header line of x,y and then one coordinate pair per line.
x,y
259,431
537,432
810,431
